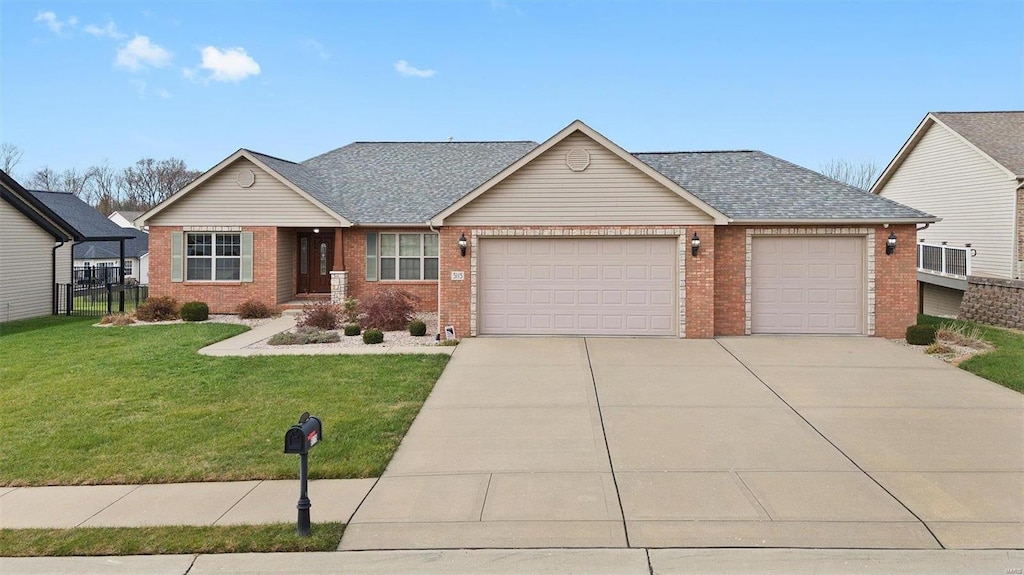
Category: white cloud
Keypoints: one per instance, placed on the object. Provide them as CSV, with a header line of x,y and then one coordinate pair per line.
x,y
109,31
405,69
53,23
317,48
229,65
139,53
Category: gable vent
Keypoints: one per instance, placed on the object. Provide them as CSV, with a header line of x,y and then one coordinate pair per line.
x,y
246,178
577,159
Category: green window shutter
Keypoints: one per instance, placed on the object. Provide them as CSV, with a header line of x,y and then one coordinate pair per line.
x,y
177,259
246,273
371,256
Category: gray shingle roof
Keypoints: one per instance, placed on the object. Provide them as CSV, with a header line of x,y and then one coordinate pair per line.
x,y
998,134
751,185
130,215
84,218
406,182
135,247
308,180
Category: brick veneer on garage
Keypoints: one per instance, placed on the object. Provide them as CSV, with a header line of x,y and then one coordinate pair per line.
x,y
700,284
895,282
222,297
730,280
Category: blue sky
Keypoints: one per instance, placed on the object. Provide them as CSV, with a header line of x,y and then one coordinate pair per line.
x,y
88,82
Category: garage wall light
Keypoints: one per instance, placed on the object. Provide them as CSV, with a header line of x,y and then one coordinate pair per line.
x,y
694,244
462,244
890,244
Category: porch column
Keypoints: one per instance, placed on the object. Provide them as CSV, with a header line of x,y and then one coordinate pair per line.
x,y
339,287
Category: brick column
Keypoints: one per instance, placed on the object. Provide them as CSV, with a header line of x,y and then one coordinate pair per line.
x,y
700,284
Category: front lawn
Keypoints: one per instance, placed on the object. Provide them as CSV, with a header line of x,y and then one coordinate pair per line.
x,y
137,404
1004,364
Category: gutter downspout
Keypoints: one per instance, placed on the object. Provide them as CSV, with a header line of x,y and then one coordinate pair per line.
x,y
53,274
431,227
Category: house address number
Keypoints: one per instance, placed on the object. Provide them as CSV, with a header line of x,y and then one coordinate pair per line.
x,y
458,276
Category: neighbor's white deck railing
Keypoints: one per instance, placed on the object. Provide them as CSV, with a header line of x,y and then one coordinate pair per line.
x,y
945,260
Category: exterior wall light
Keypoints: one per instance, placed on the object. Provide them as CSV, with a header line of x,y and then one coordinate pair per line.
x,y
316,230
694,244
890,244
462,244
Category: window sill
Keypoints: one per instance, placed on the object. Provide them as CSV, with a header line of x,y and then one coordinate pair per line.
x,y
212,283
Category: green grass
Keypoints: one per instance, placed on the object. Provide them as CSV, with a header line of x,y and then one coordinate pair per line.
x,y
274,538
1004,364
89,405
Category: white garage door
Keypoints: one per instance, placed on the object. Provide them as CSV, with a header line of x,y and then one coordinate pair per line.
x,y
592,286
807,285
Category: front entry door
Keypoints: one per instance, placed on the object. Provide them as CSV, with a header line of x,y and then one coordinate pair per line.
x,y
316,255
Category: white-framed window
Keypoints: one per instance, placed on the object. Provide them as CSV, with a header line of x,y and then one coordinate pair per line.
x,y
402,257
127,268
213,256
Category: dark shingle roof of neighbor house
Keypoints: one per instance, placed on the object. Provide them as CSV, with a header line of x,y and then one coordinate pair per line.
x,y
408,182
135,247
89,223
752,185
998,134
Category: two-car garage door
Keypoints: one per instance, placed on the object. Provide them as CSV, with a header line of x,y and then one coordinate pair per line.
x,y
577,286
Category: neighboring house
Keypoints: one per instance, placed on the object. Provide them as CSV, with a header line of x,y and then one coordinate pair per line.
x,y
574,236
37,233
967,168
124,218
107,255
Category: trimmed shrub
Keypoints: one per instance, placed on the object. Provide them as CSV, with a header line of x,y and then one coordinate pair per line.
x,y
254,309
373,336
304,335
921,334
158,309
388,309
417,328
194,311
117,319
353,329
322,314
448,342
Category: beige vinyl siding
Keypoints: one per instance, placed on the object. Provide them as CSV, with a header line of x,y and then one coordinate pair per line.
x,y
286,240
941,301
220,201
609,191
26,288
64,261
945,177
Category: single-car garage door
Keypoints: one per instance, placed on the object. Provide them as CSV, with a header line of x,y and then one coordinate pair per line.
x,y
807,285
585,286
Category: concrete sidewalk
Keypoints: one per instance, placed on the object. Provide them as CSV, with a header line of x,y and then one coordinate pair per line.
x,y
238,346
538,561
226,503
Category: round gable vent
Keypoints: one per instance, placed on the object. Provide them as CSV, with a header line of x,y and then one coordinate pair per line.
x,y
246,178
577,159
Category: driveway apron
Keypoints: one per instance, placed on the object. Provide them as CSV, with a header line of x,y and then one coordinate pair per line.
x,y
739,442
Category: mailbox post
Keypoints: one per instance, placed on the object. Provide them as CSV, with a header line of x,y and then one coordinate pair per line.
x,y
300,439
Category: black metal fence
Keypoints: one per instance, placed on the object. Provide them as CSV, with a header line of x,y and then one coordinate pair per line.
x,y
92,276
97,300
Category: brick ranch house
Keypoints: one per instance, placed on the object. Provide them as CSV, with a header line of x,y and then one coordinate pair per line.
x,y
574,236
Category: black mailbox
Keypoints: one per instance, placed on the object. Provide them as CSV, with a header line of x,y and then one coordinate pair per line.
x,y
303,435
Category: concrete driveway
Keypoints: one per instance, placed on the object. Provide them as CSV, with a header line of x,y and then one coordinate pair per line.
x,y
736,442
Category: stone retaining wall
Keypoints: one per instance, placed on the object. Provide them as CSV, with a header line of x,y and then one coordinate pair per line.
x,y
994,301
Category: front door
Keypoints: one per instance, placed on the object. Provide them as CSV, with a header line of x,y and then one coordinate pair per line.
x,y
316,254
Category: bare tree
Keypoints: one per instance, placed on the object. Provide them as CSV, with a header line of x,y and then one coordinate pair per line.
x,y
45,178
105,189
69,180
10,155
150,181
858,175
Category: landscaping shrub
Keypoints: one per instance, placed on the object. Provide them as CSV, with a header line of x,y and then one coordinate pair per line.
x,y
921,334
388,309
322,314
158,309
962,334
352,329
350,311
304,335
417,328
448,342
117,319
254,309
373,336
194,311
939,349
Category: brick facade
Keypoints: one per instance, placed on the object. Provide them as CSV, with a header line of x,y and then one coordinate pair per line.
x,y
895,282
222,297
730,280
354,246
700,283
